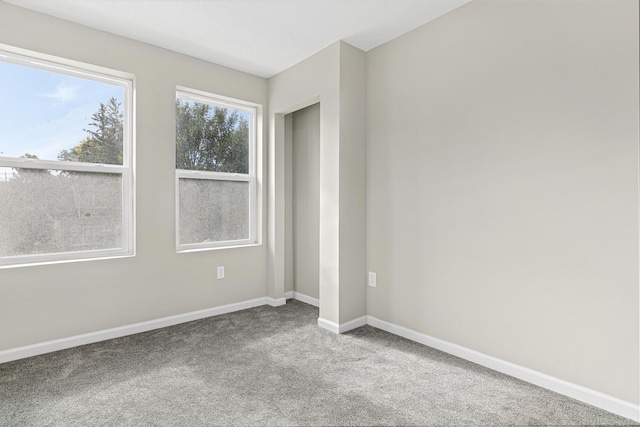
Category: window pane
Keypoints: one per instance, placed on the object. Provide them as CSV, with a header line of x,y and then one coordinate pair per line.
x,y
213,211
54,116
48,212
211,138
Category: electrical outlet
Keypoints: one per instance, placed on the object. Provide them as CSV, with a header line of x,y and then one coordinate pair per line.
x,y
220,272
372,279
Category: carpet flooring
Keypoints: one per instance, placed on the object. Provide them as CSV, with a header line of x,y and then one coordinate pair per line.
x,y
272,367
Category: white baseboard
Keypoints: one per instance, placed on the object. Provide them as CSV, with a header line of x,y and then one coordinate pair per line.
x,y
343,327
575,391
324,323
121,331
276,302
306,299
353,324
329,325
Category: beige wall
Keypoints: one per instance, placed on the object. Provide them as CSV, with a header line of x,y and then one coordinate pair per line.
x,y
305,198
353,183
503,185
41,303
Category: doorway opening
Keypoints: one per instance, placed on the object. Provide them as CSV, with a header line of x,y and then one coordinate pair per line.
x,y
302,206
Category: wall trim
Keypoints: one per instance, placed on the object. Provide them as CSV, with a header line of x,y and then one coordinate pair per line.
x,y
353,324
343,327
275,302
575,391
329,325
303,298
121,331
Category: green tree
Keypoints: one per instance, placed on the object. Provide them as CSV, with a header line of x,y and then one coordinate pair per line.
x,y
104,143
210,138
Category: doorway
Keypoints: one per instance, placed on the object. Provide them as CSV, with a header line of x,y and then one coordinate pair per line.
x,y
302,157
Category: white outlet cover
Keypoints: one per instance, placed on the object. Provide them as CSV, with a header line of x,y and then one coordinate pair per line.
x,y
220,272
372,279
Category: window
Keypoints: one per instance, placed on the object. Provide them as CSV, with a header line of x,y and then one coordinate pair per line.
x,y
215,172
65,161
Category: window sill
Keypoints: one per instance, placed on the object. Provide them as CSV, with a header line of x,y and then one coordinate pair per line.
x,y
37,263
217,248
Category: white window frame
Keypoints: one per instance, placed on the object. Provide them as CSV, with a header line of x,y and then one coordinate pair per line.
x,y
193,95
99,74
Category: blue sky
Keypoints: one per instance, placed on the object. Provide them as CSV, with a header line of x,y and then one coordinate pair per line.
x,y
43,112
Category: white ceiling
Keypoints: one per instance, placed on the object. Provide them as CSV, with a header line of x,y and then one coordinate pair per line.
x,y
261,37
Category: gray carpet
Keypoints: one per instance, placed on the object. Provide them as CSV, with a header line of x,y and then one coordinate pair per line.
x,y
271,366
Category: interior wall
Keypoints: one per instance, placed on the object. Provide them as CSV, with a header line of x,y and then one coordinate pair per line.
x,y
503,186
314,79
46,302
334,77
353,184
305,191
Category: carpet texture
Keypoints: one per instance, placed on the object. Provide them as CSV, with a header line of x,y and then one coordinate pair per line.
x,y
272,367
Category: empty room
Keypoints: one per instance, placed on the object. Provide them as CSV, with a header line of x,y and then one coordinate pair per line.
x,y
319,212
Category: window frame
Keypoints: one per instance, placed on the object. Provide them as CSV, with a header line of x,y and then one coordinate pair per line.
x,y
99,74
197,96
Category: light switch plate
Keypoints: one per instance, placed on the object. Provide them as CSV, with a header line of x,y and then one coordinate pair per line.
x,y
372,279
